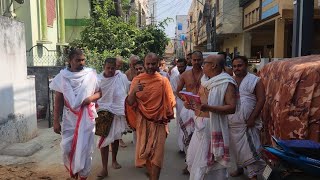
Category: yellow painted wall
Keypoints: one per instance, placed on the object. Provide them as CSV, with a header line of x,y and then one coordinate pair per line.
x,y
73,33
76,9
28,13
233,41
287,4
242,41
80,10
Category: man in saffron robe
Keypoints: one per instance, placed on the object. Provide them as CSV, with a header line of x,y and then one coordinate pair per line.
x,y
77,87
152,96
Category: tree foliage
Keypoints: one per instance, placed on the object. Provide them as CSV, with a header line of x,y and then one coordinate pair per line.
x,y
110,35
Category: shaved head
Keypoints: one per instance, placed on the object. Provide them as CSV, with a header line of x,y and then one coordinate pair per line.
x,y
218,59
133,60
152,55
151,63
119,63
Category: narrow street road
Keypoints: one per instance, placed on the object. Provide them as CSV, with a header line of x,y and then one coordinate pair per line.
x,y
47,163
173,161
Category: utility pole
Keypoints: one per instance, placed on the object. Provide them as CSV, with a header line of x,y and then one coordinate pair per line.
x,y
190,42
214,32
152,17
302,27
207,15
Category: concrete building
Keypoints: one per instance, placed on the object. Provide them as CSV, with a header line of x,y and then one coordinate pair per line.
x,y
194,25
229,36
49,25
223,16
181,35
18,121
152,8
269,23
169,52
143,10
255,28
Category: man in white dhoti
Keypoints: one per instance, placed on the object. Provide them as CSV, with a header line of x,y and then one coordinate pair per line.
x,y
173,71
77,87
208,153
174,80
114,87
245,124
191,81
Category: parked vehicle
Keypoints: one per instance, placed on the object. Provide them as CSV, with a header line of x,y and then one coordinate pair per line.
x,y
292,159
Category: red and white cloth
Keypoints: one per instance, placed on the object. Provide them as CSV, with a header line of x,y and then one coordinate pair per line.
x,y
208,151
77,121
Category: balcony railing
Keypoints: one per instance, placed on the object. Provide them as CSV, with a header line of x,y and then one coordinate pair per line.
x,y
243,2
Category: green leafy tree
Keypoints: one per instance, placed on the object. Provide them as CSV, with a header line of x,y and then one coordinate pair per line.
x,y
110,35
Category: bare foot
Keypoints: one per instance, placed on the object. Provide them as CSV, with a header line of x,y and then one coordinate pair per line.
x,y
122,144
237,173
116,165
253,178
103,174
185,171
147,174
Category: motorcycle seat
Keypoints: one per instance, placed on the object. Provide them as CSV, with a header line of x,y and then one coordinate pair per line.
x,y
307,148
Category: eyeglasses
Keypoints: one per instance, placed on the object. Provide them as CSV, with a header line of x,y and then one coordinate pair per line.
x,y
205,62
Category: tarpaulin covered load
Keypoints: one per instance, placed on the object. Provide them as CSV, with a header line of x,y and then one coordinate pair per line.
x,y
292,107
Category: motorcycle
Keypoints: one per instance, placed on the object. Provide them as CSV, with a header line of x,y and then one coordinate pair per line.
x,y
292,159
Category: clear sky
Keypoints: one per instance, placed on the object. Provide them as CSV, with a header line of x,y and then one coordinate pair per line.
x,y
171,8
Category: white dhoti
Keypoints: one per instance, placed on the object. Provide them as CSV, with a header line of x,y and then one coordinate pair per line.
x,y
186,123
180,134
77,121
197,155
208,153
118,126
174,81
245,142
114,91
83,136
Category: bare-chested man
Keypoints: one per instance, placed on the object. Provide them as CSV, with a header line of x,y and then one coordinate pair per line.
x,y
189,61
119,63
191,80
131,72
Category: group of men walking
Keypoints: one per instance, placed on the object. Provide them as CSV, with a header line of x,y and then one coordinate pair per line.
x,y
224,127
225,122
